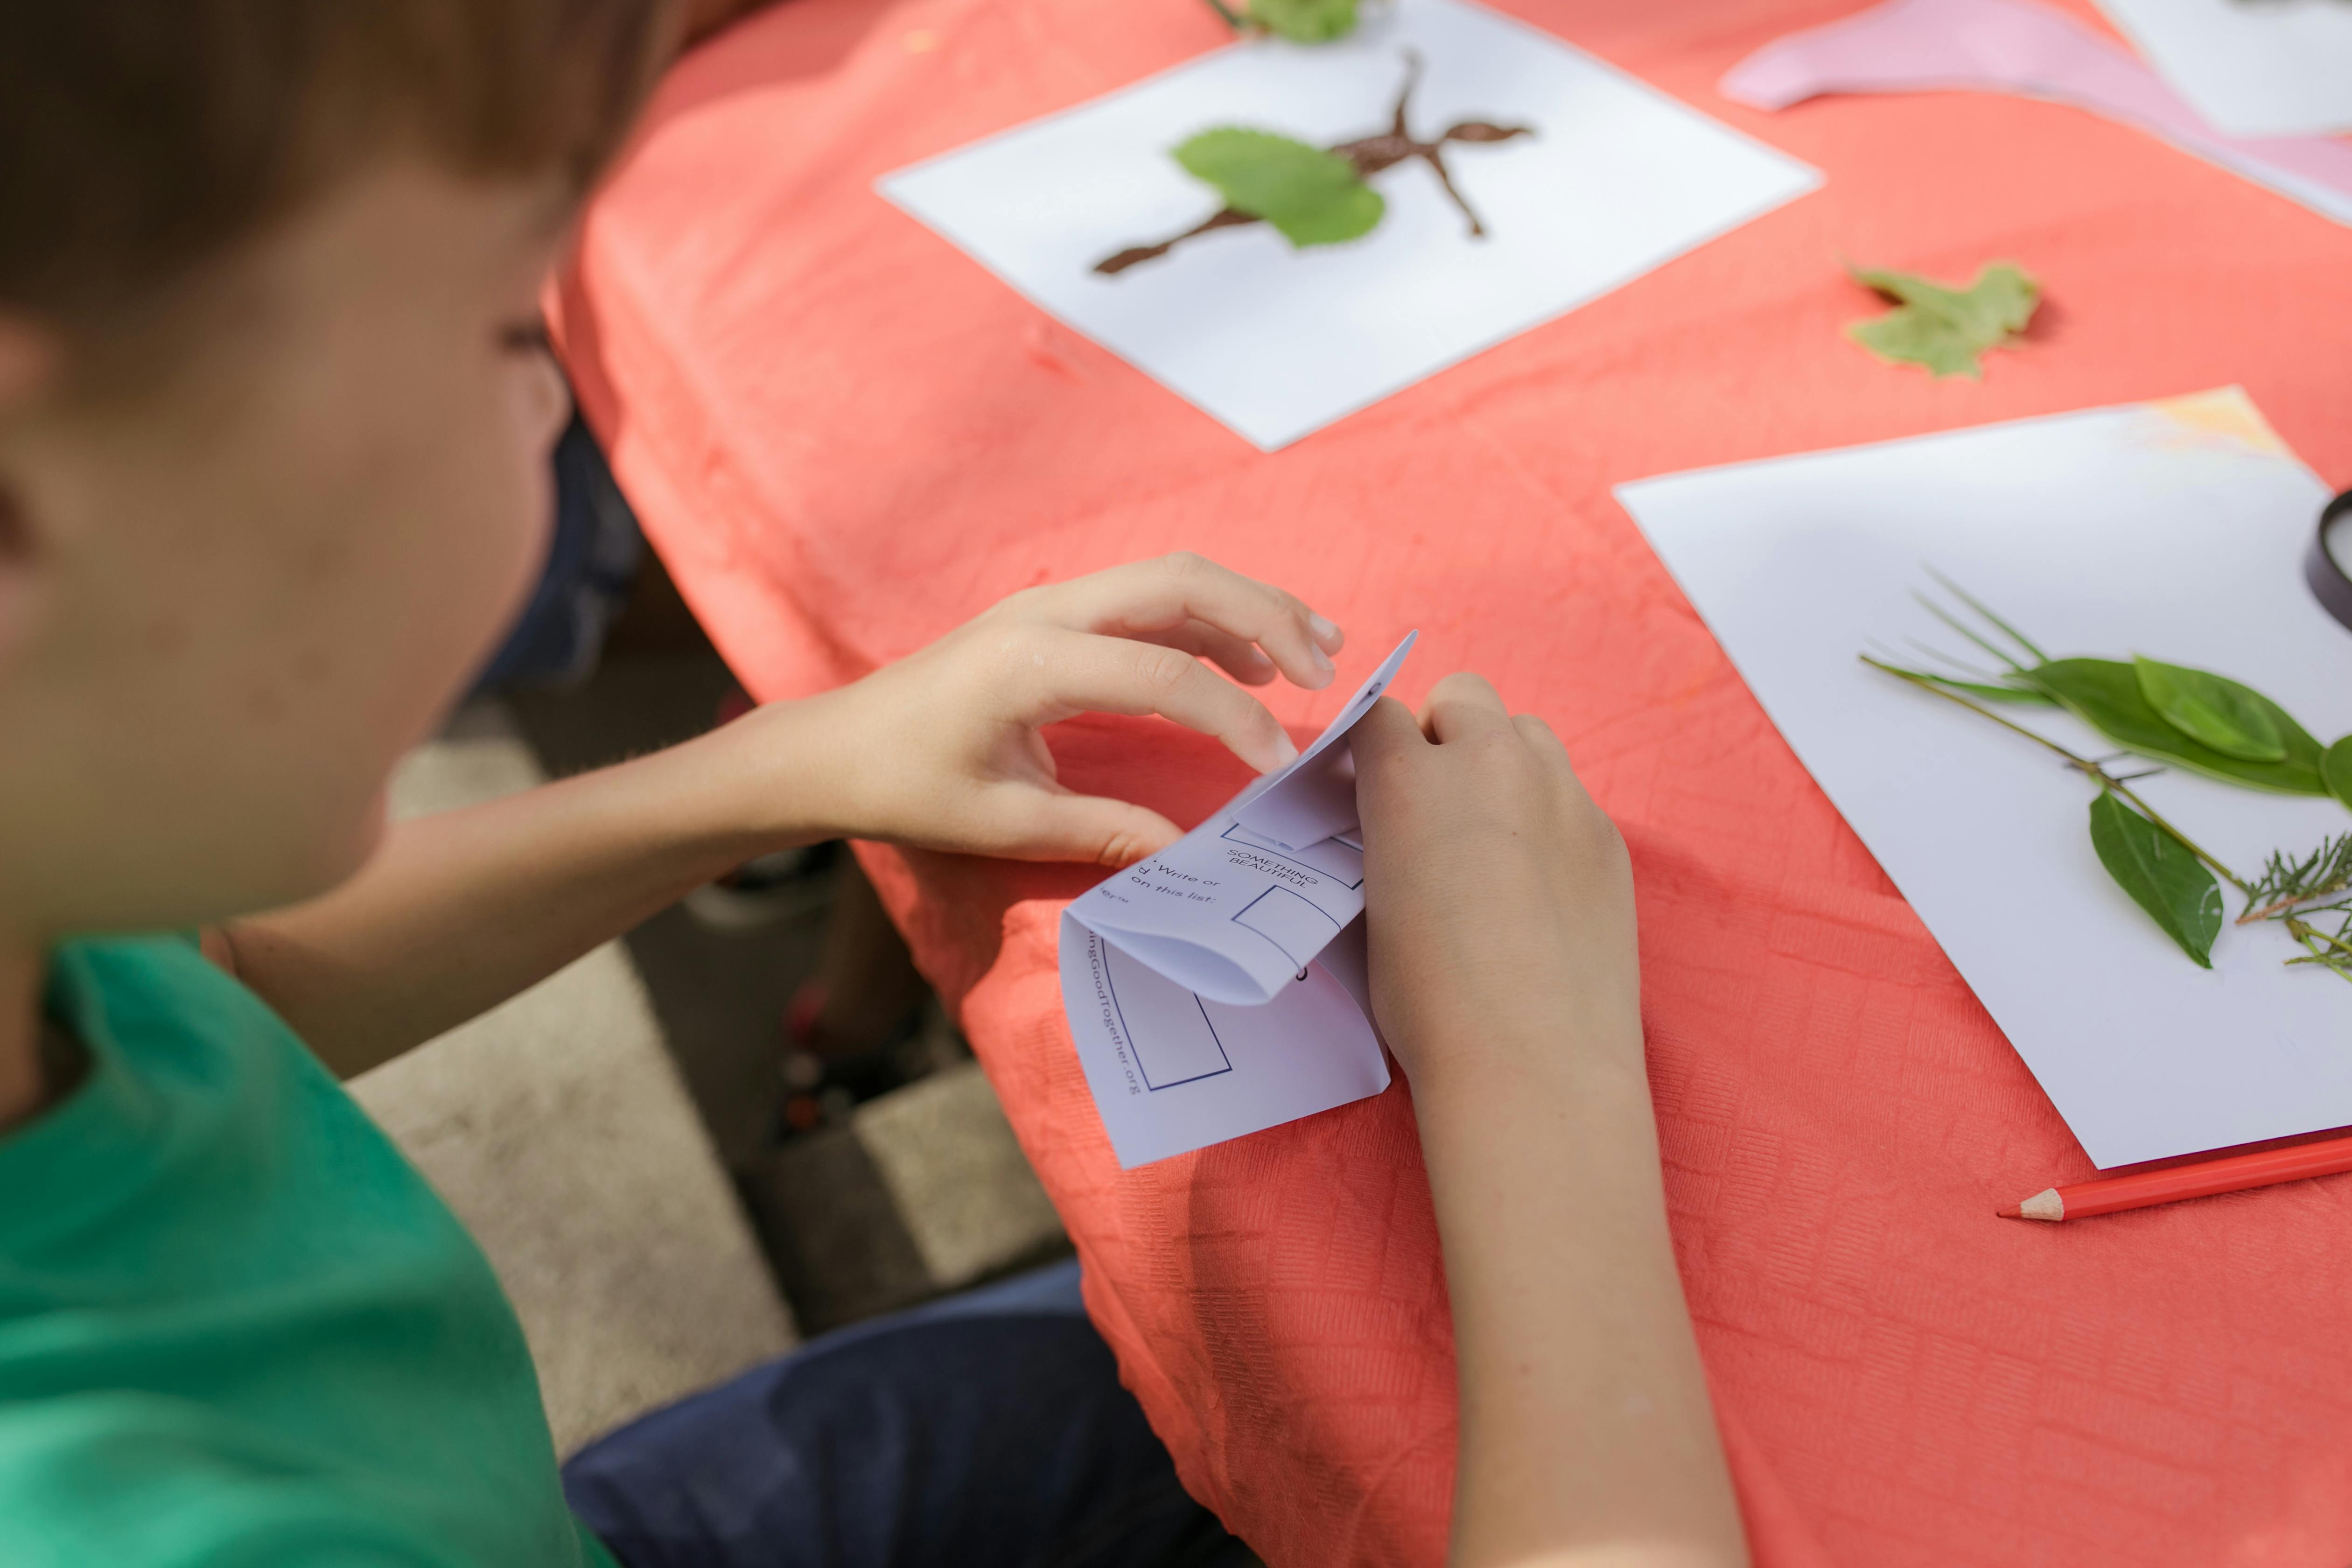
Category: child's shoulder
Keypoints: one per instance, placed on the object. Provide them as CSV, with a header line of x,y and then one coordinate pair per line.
x,y
164,1036
199,1126
217,1265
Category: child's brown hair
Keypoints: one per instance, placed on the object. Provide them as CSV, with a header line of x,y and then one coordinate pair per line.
x,y
140,138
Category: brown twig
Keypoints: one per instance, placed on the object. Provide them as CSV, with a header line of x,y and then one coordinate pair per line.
x,y
1227,217
2273,910
1371,155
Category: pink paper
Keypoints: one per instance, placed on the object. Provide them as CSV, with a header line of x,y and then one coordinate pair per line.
x,y
2016,45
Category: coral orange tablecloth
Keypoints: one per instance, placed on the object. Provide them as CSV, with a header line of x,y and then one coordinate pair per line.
x,y
845,437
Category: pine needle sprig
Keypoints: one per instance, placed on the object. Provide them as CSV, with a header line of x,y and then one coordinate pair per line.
x,y
2295,892
2329,950
2286,884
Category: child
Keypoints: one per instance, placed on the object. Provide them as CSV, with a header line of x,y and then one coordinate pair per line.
x,y
273,429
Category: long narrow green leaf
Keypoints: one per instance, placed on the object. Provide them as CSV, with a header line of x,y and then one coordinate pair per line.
x,y
2105,693
2160,874
2235,721
1965,630
1973,603
2030,696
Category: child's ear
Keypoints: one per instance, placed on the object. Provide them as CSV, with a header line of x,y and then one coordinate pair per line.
x,y
28,366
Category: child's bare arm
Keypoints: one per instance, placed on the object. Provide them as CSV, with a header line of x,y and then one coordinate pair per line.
x,y
459,911
1506,979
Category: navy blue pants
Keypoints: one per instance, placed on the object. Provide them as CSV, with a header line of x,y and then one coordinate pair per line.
x,y
987,1429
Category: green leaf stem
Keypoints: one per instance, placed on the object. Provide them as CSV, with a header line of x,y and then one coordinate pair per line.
x,y
2027,695
2161,875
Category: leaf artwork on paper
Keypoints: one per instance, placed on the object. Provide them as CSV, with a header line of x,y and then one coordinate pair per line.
x,y
1312,195
1947,330
2186,718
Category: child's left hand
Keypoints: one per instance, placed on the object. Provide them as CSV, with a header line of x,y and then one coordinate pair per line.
x,y
942,749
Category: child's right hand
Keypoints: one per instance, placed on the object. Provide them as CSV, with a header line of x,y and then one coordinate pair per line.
x,y
1505,976
1500,898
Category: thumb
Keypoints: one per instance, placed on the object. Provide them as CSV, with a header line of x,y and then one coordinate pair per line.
x,y
1093,827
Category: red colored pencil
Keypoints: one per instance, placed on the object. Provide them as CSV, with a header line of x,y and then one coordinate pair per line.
x,y
2203,1180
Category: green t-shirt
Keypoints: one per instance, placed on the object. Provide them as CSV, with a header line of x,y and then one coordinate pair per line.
x,y
237,1328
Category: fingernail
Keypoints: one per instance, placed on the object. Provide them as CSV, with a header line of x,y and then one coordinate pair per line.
x,y
1323,666
1285,750
1325,632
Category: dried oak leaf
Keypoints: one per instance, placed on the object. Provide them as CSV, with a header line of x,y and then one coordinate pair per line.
x,y
1946,329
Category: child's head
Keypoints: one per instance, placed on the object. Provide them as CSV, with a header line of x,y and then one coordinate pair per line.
x,y
273,427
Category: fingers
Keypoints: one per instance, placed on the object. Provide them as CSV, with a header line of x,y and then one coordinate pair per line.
x,y
1386,730
1240,660
1073,672
1553,752
1114,832
1539,735
1463,707
1151,597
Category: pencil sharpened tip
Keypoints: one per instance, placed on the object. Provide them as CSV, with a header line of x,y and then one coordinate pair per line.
x,y
2012,1212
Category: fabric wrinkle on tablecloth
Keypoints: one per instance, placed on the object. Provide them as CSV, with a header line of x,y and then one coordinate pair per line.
x,y
845,437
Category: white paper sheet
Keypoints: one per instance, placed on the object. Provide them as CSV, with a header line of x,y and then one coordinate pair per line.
x,y
1218,988
2173,530
2252,67
1276,341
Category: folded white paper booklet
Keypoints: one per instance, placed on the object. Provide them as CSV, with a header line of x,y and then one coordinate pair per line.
x,y
1219,987
1539,178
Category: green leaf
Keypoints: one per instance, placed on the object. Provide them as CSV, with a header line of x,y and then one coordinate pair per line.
x,y
2104,694
1305,21
2160,874
1946,329
2026,695
1312,197
2233,719
2336,768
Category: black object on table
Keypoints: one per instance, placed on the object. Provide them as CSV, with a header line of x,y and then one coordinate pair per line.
x,y
2325,568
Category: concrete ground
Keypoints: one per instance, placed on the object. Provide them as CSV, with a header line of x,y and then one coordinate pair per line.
x,y
609,1135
